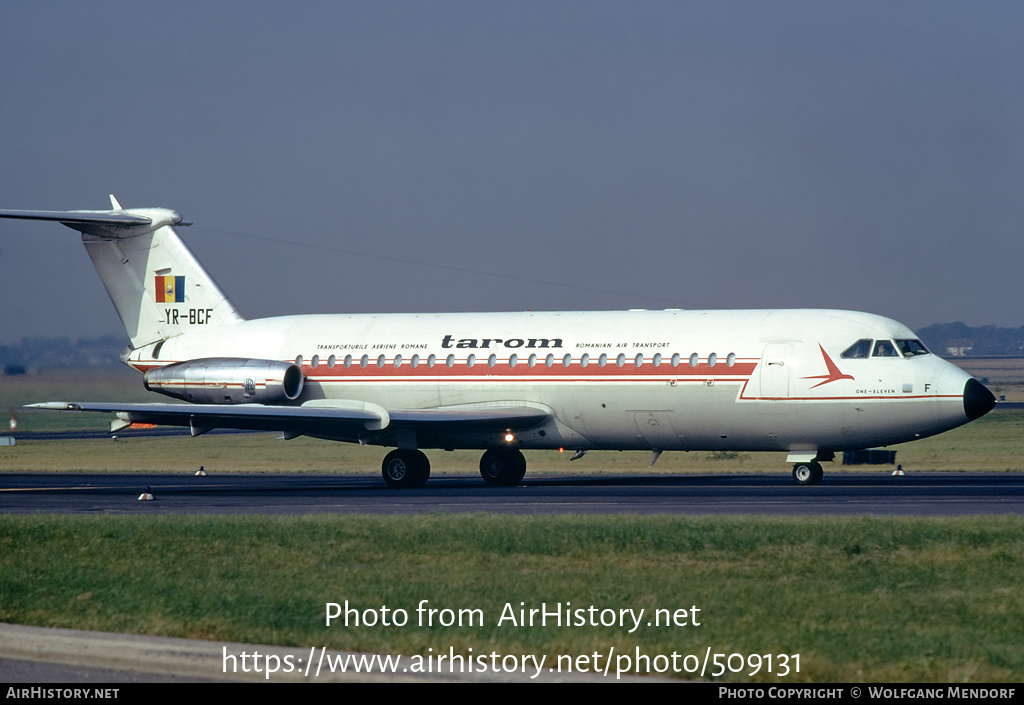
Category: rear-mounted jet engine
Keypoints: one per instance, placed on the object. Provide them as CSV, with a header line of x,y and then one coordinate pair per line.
x,y
227,380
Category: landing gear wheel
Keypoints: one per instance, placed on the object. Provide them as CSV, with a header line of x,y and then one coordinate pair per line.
x,y
405,468
502,468
808,473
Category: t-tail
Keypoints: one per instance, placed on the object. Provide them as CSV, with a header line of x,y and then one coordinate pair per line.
x,y
155,282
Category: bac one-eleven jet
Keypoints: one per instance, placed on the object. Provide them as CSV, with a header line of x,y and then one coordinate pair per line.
x,y
808,382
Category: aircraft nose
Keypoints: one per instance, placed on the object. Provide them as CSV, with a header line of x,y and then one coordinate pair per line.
x,y
978,401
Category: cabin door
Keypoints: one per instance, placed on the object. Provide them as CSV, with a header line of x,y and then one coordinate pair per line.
x,y
775,366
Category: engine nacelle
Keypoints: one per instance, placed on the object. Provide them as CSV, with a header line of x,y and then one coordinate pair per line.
x,y
227,380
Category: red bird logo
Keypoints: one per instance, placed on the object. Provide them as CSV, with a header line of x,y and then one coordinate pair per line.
x,y
834,375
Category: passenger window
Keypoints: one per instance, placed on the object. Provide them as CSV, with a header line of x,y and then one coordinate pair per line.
x,y
862,348
910,348
885,348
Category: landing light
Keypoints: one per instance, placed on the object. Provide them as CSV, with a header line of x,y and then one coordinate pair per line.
x,y
509,437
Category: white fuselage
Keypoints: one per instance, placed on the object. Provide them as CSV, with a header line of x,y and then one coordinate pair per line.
x,y
663,380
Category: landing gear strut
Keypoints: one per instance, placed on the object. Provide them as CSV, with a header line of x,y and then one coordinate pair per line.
x,y
405,468
808,473
502,468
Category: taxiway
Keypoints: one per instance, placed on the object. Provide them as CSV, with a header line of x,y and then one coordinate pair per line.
x,y
915,494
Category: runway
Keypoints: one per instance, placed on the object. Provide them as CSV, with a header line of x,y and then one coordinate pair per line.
x,y
916,494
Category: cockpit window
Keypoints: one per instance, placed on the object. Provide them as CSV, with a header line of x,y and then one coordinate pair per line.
x,y
885,348
910,348
862,348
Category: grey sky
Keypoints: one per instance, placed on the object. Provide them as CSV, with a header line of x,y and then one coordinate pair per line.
x,y
550,155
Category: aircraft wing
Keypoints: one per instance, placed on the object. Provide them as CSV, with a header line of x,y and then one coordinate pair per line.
x,y
339,419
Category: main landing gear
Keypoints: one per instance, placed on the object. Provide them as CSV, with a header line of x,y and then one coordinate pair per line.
x,y
502,468
809,473
405,468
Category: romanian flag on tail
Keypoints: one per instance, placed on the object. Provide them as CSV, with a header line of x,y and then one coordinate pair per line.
x,y
170,289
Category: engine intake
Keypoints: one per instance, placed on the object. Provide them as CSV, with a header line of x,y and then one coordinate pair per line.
x,y
227,380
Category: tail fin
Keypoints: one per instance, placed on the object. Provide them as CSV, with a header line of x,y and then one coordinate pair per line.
x,y
158,287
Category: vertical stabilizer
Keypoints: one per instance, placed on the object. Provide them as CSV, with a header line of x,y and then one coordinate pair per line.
x,y
155,282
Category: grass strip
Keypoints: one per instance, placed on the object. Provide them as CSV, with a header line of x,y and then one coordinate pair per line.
x,y
860,599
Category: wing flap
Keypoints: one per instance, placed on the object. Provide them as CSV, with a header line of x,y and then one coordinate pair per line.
x,y
471,419
356,416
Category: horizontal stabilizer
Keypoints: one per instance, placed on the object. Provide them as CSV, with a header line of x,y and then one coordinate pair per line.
x,y
117,223
111,217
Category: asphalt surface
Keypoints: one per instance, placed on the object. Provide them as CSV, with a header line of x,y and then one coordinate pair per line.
x,y
872,492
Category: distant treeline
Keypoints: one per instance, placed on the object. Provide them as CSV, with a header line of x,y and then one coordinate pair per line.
x,y
961,340
36,354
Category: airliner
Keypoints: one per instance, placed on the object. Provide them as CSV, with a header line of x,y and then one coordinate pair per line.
x,y
811,383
